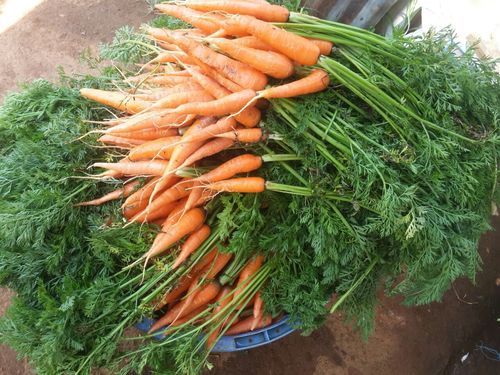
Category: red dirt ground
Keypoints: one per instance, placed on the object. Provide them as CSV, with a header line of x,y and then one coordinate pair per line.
x,y
423,340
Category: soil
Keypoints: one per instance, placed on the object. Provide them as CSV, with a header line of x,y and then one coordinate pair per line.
x,y
421,340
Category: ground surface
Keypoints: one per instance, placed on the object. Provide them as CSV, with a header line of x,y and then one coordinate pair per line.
x,y
424,340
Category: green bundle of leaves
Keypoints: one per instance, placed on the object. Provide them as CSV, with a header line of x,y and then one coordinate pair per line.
x,y
416,198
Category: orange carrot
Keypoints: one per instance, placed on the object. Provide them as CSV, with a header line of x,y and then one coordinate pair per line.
x,y
118,100
184,149
149,134
151,120
316,81
244,135
258,306
223,299
174,56
162,212
174,216
158,149
184,283
119,141
187,224
246,325
220,261
253,42
239,185
325,47
189,298
139,200
240,73
273,64
258,310
208,149
159,94
240,164
194,196
250,117
176,192
186,318
219,78
205,295
264,11
163,79
220,107
192,243
116,194
295,47
190,16
252,266
177,99
138,168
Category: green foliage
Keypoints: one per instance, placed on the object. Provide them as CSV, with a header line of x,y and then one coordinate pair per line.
x,y
417,209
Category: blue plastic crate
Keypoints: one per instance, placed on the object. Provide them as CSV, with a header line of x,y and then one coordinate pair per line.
x,y
243,341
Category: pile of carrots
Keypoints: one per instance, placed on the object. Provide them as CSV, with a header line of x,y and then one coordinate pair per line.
x,y
202,94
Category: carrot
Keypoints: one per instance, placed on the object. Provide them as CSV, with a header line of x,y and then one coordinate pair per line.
x,y
205,295
208,149
139,200
219,78
240,164
176,192
192,243
246,325
116,194
258,306
187,224
184,283
163,79
190,16
244,135
252,266
158,149
151,120
325,47
264,11
184,149
177,99
258,310
213,269
239,73
273,64
223,299
250,117
189,298
138,168
159,94
253,42
161,212
119,141
316,81
149,134
194,196
175,56
174,216
186,318
293,46
230,104
118,100
239,185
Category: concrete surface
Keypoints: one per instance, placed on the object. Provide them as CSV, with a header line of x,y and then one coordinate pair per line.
x,y
424,340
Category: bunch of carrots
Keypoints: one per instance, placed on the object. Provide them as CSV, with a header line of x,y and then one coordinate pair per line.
x,y
201,95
